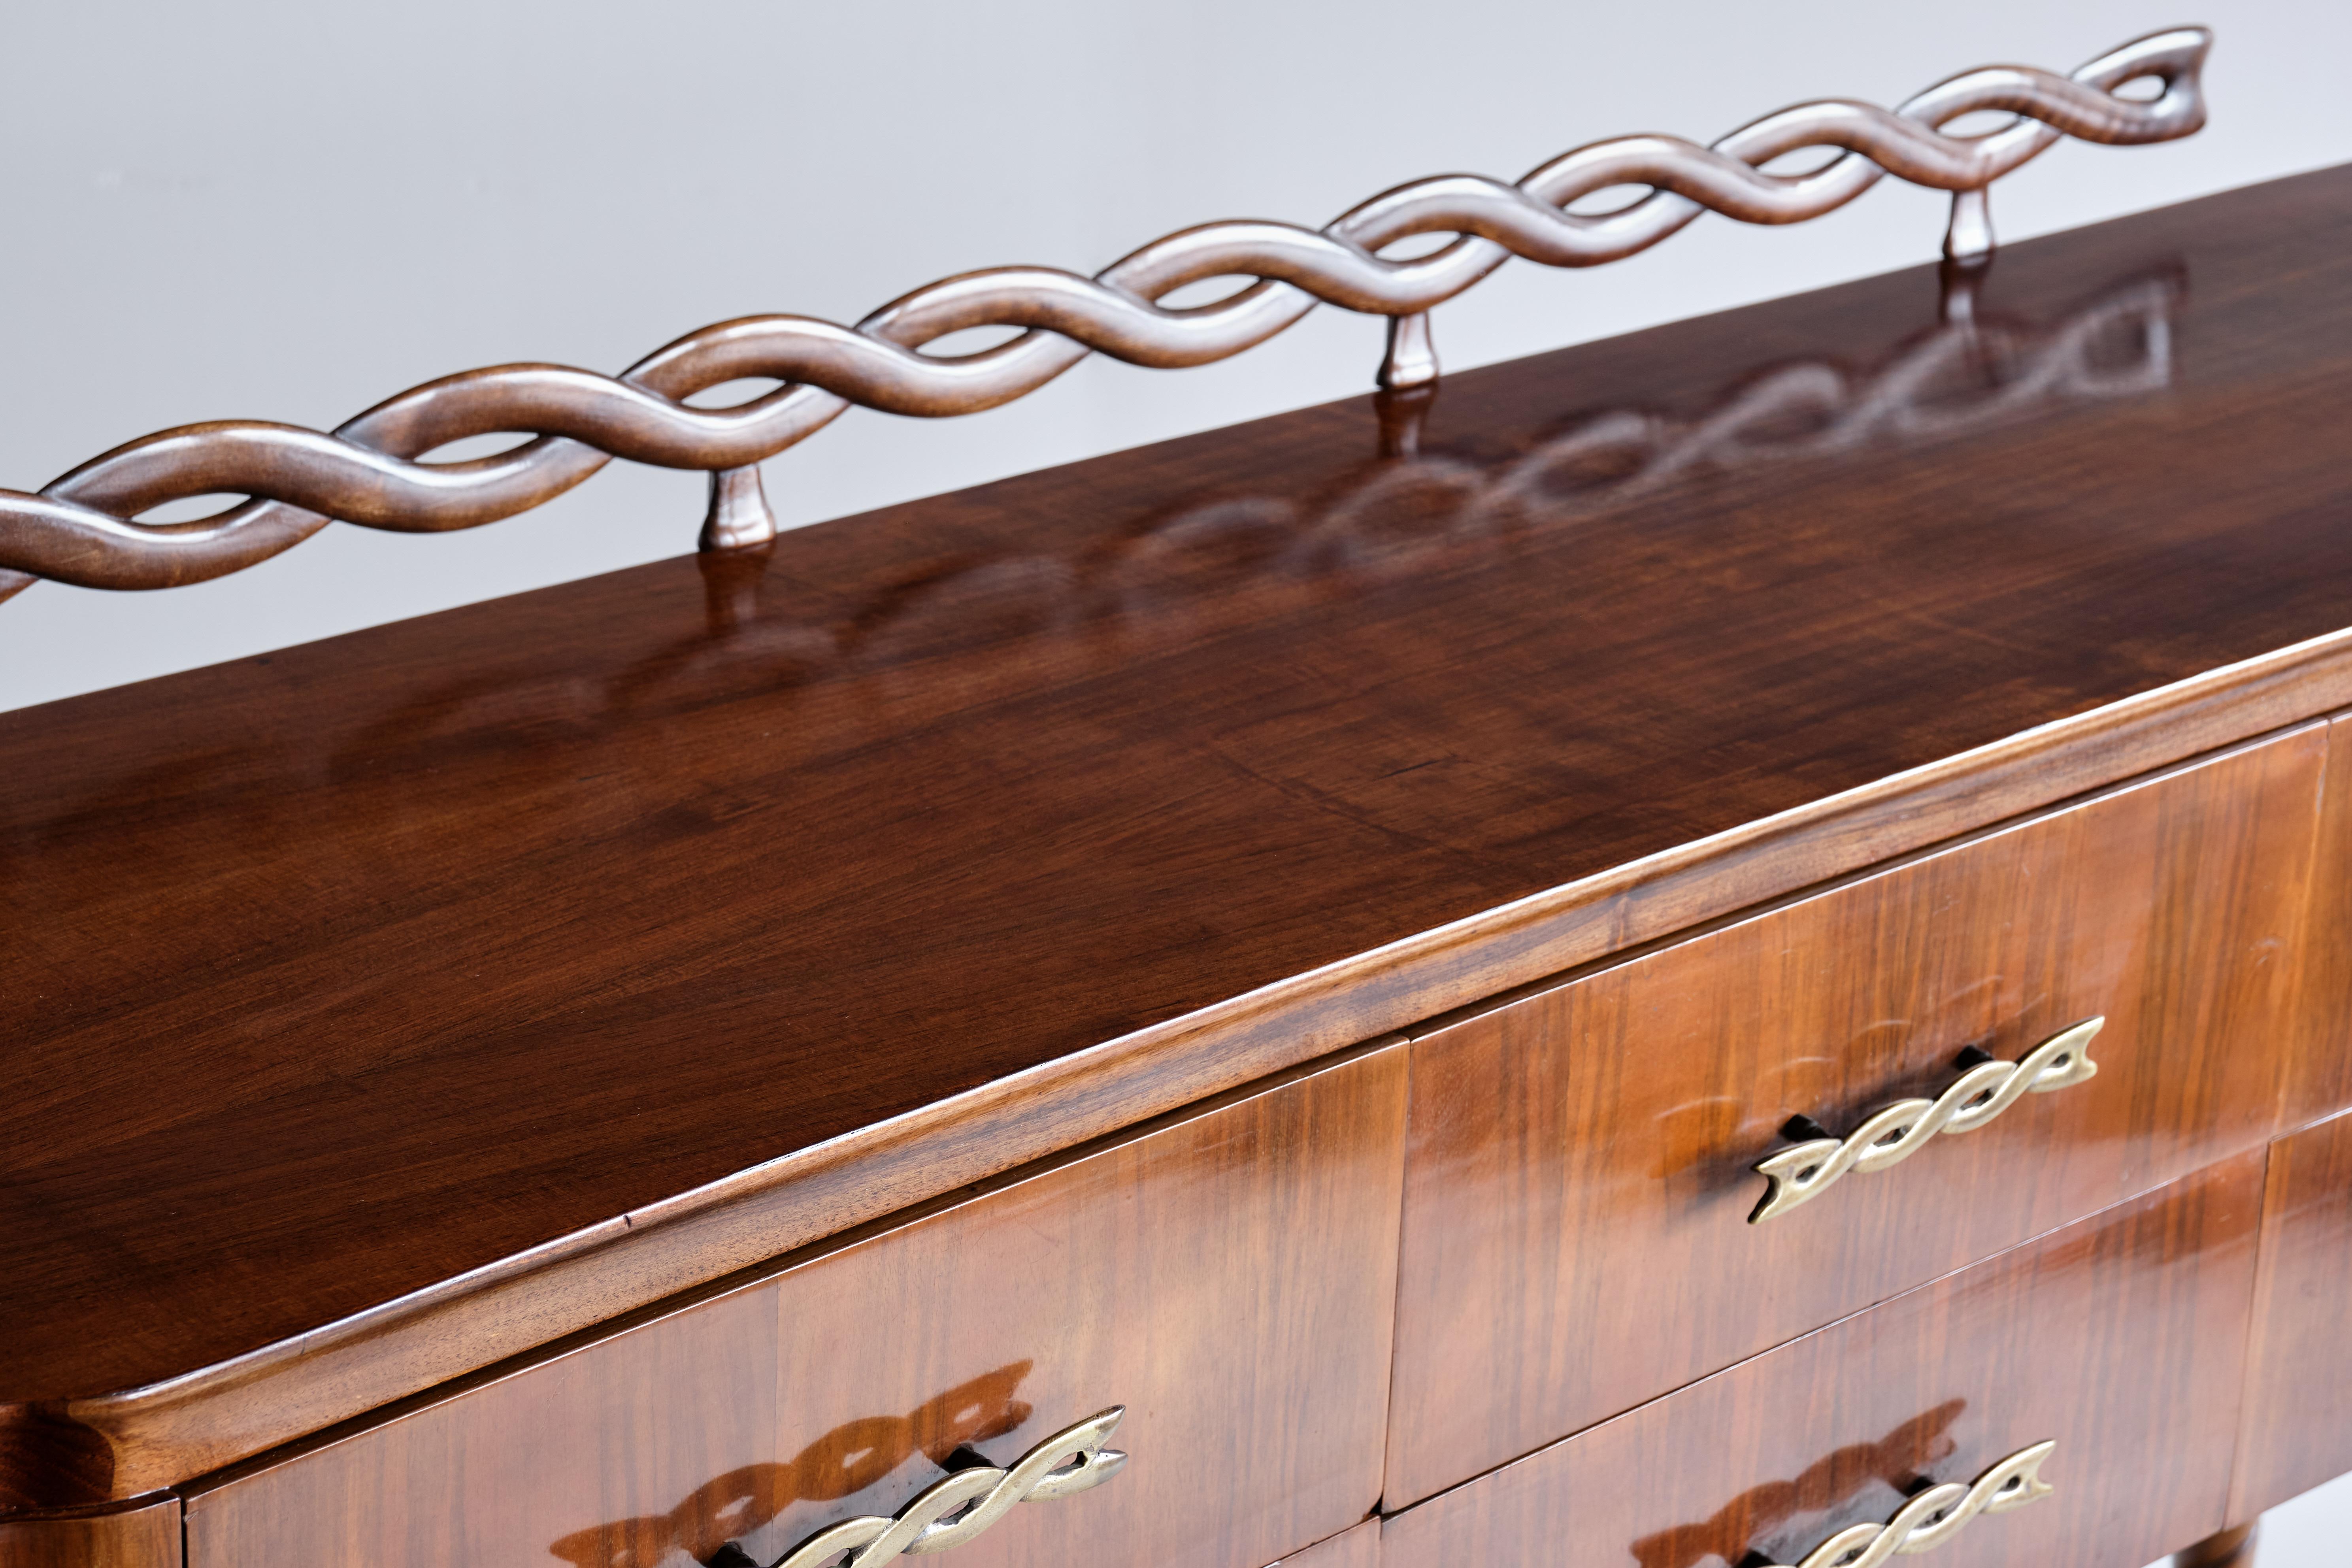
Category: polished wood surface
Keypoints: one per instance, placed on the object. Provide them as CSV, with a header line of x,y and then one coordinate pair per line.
x,y
2232,1548
1582,1162
2322,1078
1228,1278
2121,1337
1579,1171
464,982
142,1534
2298,1419
1358,1547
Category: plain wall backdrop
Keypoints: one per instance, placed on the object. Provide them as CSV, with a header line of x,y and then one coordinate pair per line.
x,y
291,210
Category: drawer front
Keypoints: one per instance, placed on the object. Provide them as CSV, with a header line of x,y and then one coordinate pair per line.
x,y
1580,1164
2119,1341
1229,1278
139,1535
2297,1430
2322,1079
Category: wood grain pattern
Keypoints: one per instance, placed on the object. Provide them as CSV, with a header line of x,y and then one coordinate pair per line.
x,y
1358,1547
2120,1336
2231,1547
470,981
144,1534
2322,1080
1580,1170
2298,1415
1229,1278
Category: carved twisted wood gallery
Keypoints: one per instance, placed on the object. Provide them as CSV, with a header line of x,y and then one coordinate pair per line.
x,y
1332,933
83,527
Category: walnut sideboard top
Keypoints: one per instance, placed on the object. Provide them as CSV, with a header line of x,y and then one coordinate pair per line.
x,y
382,1008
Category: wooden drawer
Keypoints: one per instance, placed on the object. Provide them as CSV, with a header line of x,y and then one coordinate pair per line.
x,y
1229,1278
2322,1080
2297,1430
1580,1167
2119,1339
135,1535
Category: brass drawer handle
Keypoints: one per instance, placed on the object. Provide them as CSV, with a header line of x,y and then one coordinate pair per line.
x,y
1984,1090
1938,1514
959,1506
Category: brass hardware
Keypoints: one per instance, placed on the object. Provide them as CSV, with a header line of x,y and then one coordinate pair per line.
x,y
1938,1514
959,1506
83,527
1985,1088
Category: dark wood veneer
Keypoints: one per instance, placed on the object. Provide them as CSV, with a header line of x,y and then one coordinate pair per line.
x,y
1358,1547
2321,1081
142,1534
1229,1278
463,982
2297,1430
1579,1168
2121,1337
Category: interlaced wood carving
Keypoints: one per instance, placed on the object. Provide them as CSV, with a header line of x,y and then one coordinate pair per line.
x,y
84,526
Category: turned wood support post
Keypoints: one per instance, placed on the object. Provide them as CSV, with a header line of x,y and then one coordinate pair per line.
x,y
738,514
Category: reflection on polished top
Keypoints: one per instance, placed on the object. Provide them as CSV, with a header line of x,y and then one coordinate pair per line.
x,y
361,964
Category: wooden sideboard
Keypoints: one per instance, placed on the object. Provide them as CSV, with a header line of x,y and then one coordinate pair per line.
x,y
1223,1005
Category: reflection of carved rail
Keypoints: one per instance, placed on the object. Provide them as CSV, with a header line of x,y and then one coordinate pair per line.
x,y
1220,561
1921,394
82,528
1967,375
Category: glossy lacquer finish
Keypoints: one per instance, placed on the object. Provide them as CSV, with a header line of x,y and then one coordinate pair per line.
x,y
142,1534
2231,1547
2321,1079
2120,1336
1358,1547
1579,1171
1228,1278
2298,1422
466,982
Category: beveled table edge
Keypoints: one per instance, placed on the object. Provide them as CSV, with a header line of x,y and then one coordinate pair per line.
x,y
172,1431
767,1271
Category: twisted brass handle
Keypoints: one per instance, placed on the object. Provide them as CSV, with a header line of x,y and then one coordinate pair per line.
x,y
1987,1088
959,1506
1938,1514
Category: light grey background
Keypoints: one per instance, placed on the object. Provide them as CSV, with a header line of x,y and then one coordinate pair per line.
x,y
290,211
2315,1530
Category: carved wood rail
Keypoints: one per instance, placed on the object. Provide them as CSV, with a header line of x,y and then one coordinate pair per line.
x,y
84,526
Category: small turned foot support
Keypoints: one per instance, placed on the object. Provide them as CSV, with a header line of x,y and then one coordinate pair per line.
x,y
1969,236
739,514
1411,359
2231,1547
